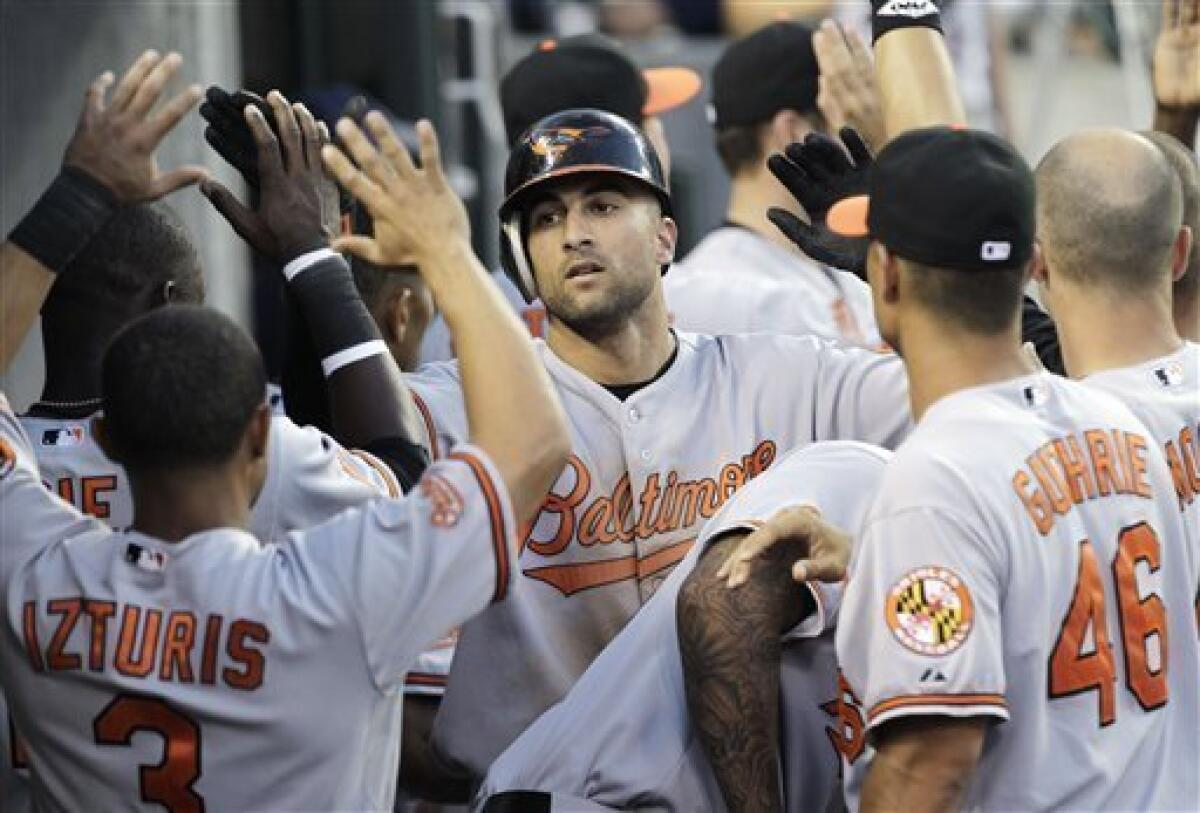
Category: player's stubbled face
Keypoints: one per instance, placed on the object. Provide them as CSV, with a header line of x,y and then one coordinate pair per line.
x,y
595,246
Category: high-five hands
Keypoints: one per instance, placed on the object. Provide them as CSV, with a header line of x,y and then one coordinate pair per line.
x,y
116,137
415,212
297,208
819,173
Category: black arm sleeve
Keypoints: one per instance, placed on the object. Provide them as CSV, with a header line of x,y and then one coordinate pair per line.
x,y
1038,328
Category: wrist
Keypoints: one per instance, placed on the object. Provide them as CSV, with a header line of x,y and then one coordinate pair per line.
x,y
341,327
72,210
892,15
293,247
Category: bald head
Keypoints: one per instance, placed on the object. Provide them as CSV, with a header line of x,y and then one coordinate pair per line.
x,y
1109,208
1183,161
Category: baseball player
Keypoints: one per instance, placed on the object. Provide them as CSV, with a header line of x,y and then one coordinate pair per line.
x,y
622,738
1109,221
1185,291
584,70
1046,617
746,275
665,426
187,620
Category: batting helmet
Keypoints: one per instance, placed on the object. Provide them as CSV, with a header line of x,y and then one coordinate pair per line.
x,y
569,143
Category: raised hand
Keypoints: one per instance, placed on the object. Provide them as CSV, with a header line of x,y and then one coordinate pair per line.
x,y
116,138
819,173
415,212
297,207
827,549
847,92
229,134
1177,56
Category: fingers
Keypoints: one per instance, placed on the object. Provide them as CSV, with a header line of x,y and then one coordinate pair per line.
x,y
360,246
822,157
351,179
243,220
132,79
289,131
177,179
324,130
243,157
391,146
269,159
860,55
858,149
365,154
170,116
152,86
790,175
311,135
93,99
830,569
830,47
431,151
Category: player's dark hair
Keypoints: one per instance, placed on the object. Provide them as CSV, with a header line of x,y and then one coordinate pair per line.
x,y
1183,161
139,251
180,385
739,148
985,303
1108,228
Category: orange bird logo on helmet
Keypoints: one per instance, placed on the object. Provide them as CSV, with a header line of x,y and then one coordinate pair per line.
x,y
557,140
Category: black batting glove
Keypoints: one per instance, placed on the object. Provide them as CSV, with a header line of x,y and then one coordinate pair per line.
x,y
819,173
228,133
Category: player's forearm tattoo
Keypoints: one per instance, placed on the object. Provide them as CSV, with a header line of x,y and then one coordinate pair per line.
x,y
730,643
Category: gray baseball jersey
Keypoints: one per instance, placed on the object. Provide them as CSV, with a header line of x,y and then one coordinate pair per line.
x,y
622,738
1026,562
218,672
309,479
737,281
644,475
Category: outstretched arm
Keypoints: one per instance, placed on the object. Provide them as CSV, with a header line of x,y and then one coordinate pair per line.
x,y
513,413
109,163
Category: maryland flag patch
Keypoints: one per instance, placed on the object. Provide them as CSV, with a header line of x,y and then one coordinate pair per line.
x,y
8,457
930,611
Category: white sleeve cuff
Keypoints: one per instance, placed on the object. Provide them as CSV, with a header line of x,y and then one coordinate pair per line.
x,y
307,261
331,364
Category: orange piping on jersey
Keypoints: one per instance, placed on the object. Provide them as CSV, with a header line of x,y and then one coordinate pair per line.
x,y
430,428
425,679
1058,476
918,700
69,609
389,477
496,515
573,578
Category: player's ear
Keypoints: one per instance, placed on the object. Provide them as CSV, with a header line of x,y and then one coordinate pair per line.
x,y
666,238
1038,270
258,431
398,314
1181,252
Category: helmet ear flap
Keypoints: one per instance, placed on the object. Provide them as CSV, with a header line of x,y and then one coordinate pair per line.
x,y
514,258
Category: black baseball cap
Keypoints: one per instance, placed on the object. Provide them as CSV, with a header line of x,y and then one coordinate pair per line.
x,y
589,70
946,197
773,69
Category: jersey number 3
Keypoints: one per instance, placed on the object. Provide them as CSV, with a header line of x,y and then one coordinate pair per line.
x,y
169,783
1072,670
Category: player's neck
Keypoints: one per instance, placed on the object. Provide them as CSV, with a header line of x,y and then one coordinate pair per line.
x,y
750,198
174,505
1187,315
633,353
72,382
1104,332
73,355
942,359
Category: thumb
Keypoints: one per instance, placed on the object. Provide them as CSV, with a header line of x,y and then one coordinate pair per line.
x,y
243,221
796,230
177,179
365,248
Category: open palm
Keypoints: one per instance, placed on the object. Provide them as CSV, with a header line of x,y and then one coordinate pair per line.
x,y
1177,55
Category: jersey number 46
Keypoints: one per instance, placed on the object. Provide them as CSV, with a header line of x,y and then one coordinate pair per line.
x,y
1072,670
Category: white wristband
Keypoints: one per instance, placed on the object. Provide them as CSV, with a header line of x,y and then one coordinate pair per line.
x,y
307,261
331,364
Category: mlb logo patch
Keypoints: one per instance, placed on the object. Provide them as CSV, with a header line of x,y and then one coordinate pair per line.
x,y
1034,395
1170,375
145,559
64,436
